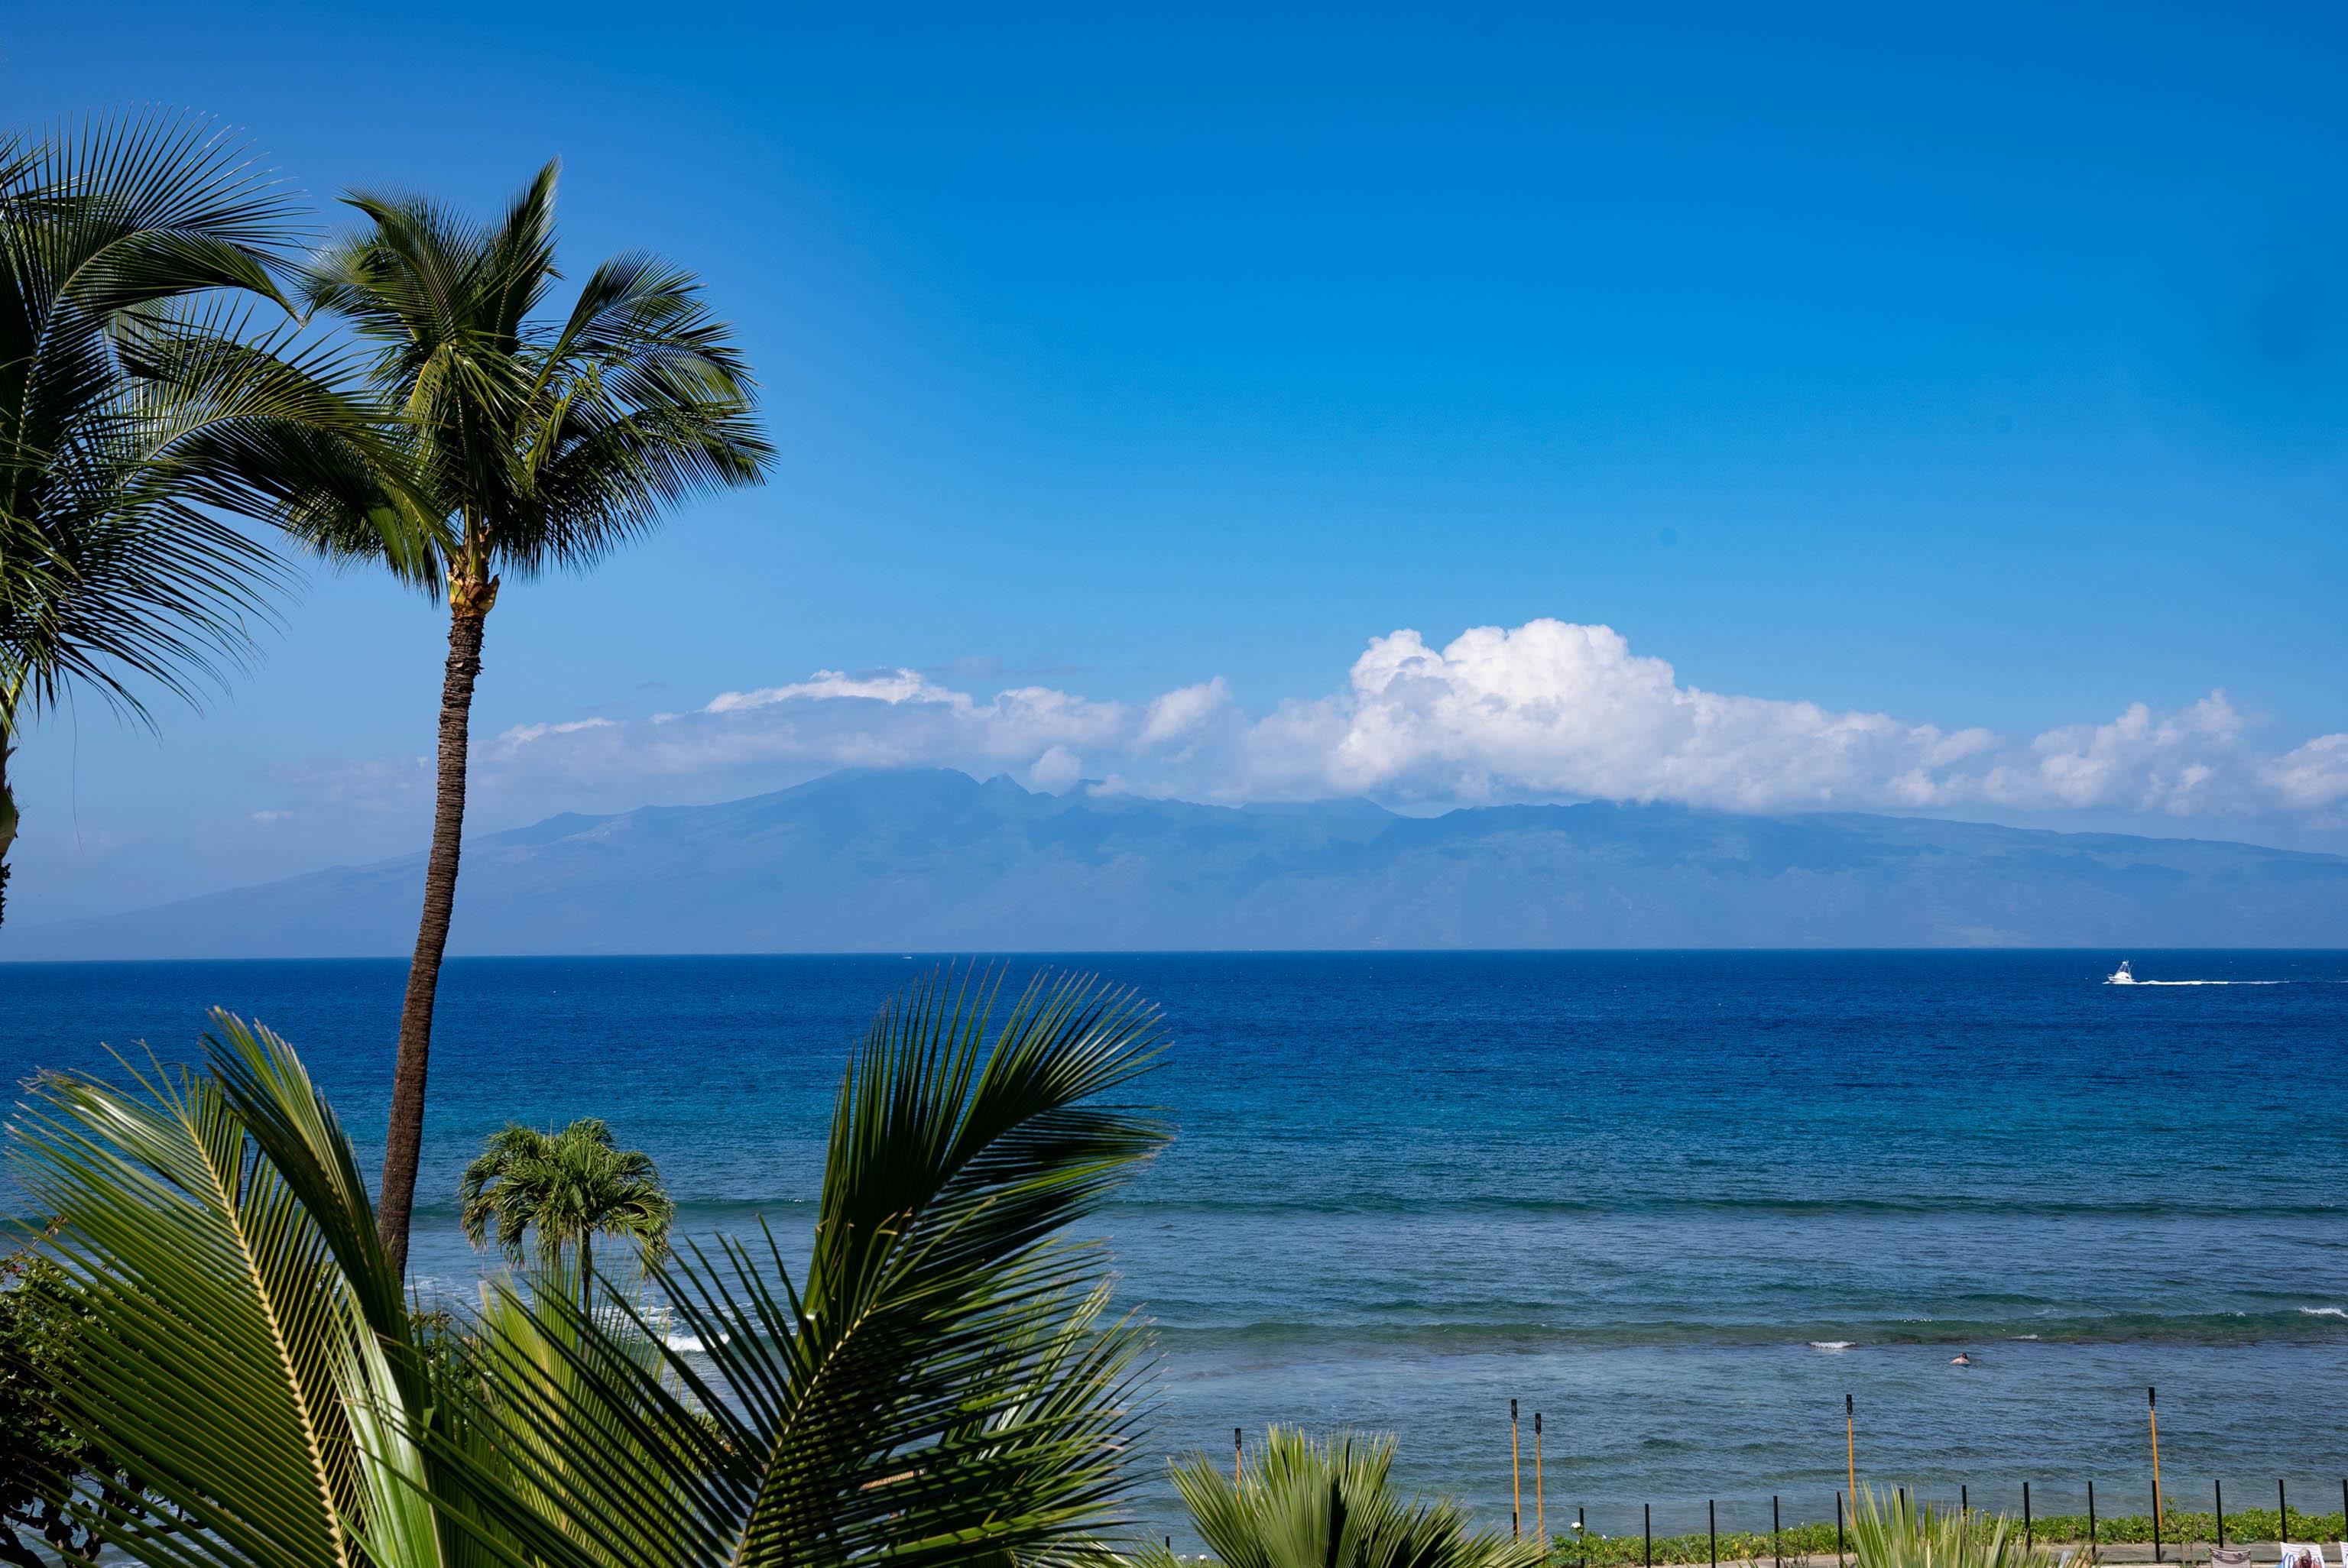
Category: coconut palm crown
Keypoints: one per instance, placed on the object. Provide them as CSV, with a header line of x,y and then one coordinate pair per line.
x,y
568,1187
138,414
537,440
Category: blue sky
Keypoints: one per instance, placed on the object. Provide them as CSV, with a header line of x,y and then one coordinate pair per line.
x,y
1984,368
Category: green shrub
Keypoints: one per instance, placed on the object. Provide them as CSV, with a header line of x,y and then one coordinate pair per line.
x,y
40,1458
1302,1503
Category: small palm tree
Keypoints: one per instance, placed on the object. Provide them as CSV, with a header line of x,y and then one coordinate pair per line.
x,y
1330,1504
135,411
535,442
569,1187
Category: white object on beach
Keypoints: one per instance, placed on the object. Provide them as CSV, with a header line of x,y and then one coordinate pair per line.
x,y
2121,975
2292,1556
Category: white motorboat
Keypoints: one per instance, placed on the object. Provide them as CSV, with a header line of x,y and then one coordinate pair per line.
x,y
2121,975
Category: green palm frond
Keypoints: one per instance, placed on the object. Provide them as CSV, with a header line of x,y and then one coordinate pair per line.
x,y
941,1387
944,1386
107,576
1307,1503
247,1360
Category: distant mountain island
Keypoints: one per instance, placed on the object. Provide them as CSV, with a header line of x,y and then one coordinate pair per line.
x,y
935,861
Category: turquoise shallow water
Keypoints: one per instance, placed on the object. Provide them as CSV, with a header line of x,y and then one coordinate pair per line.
x,y
1641,1193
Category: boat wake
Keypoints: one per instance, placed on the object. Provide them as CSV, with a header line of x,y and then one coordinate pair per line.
x,y
2123,976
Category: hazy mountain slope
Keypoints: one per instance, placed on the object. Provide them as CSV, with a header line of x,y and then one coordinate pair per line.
x,y
935,861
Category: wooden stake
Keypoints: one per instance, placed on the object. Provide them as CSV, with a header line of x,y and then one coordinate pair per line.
x,y
1540,1499
1516,1481
1850,1449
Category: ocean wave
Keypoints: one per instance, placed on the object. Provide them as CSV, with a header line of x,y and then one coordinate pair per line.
x,y
1917,1205
2325,1311
1322,1336
788,1216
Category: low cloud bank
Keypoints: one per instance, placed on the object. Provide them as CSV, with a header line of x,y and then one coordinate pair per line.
x,y
1546,711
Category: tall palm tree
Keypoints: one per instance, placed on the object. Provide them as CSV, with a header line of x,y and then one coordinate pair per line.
x,y
569,1187
937,1386
134,411
1307,1503
538,441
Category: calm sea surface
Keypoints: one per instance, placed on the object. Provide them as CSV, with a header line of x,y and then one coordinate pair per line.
x,y
1681,1203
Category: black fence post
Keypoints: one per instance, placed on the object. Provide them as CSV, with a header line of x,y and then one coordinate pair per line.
x,y
2156,1521
2091,1516
1778,1549
1838,1527
2026,1540
1712,1527
2282,1512
1964,1504
1581,1533
1648,1509
2220,1488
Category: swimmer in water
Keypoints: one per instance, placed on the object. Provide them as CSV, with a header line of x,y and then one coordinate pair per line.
x,y
1960,1359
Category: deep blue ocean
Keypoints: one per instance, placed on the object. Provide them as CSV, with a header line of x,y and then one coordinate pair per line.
x,y
1682,1203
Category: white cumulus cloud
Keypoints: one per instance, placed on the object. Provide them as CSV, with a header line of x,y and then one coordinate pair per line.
x,y
1548,709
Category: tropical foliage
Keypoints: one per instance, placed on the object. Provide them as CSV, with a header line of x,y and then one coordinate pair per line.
x,y
136,409
43,1460
1898,1530
938,1384
568,1188
1302,1502
532,441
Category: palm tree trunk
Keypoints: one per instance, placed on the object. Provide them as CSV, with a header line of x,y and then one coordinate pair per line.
x,y
7,822
469,601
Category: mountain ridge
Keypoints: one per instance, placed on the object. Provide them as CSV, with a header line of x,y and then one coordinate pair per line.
x,y
882,860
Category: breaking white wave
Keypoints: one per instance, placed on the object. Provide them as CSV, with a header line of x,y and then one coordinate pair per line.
x,y
2325,1311
688,1341
1830,1344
